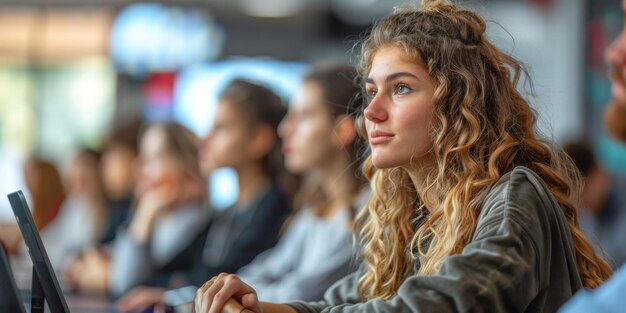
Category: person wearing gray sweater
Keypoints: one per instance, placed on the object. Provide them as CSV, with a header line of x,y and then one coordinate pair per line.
x,y
312,255
520,259
470,210
319,143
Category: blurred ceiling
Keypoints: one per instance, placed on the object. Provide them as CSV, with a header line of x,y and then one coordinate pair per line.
x,y
287,29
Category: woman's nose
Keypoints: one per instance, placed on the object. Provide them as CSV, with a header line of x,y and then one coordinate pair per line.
x,y
376,109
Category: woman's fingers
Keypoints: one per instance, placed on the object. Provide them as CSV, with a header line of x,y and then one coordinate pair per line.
x,y
251,301
233,287
232,306
223,293
203,299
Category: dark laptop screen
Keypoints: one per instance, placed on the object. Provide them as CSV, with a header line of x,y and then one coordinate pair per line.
x,y
38,254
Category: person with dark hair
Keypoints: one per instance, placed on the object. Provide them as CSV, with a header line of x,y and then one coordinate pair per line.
x,y
119,152
319,142
117,161
244,137
470,209
83,214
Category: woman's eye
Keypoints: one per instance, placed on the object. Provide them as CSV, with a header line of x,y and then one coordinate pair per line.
x,y
371,93
402,89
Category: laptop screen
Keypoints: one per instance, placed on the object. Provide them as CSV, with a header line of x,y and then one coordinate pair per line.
x,y
10,300
38,255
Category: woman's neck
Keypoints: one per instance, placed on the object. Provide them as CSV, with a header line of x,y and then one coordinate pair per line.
x,y
337,182
251,180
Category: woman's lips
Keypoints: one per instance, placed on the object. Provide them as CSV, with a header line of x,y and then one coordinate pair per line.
x,y
379,137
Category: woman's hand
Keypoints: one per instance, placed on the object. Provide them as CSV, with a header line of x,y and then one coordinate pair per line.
x,y
151,206
226,292
90,273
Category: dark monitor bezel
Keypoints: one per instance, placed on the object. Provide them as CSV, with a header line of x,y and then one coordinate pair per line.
x,y
36,250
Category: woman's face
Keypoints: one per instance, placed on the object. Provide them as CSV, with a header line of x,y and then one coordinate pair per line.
x,y
117,171
156,166
80,175
225,145
400,110
307,131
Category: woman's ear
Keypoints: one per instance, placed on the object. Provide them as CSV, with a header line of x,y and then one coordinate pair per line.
x,y
262,141
345,132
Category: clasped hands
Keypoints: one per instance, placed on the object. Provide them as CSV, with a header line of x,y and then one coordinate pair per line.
x,y
226,293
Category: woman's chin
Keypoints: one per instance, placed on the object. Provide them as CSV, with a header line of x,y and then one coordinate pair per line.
x,y
382,163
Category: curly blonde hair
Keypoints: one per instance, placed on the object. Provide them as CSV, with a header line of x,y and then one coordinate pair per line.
x,y
482,129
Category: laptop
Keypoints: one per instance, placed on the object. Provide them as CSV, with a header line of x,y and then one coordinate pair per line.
x,y
10,300
45,283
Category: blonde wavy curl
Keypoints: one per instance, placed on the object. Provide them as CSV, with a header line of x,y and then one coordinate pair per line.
x,y
482,129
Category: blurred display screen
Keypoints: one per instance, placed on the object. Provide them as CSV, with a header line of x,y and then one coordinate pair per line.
x,y
154,37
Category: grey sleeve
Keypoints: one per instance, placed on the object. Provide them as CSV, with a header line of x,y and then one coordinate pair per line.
x,y
310,283
496,272
270,265
134,263
131,264
343,291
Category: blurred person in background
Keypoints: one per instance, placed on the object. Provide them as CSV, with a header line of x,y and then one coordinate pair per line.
x,y
170,211
45,186
610,297
602,209
615,112
319,142
82,218
244,137
119,152
117,163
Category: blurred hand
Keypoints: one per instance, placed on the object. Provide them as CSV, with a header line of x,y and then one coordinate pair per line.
x,y
152,204
140,299
72,272
90,273
226,293
10,237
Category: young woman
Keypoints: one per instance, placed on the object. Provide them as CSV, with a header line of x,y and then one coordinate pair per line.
x,y
470,210
80,223
170,211
319,142
244,137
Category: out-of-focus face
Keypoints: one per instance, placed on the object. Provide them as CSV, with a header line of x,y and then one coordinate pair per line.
x,y
616,56
225,145
400,110
117,167
156,167
81,175
307,131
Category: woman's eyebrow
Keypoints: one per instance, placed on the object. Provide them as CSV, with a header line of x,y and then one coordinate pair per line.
x,y
393,76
